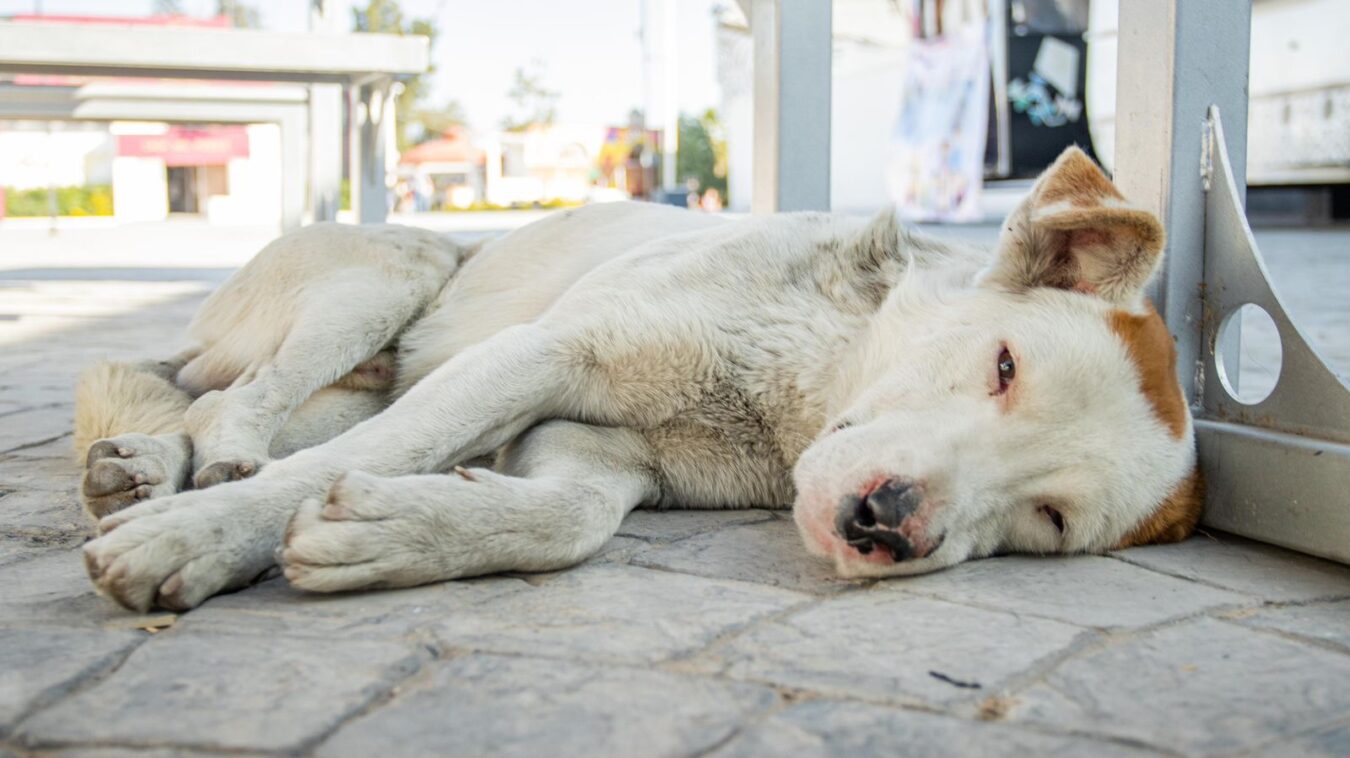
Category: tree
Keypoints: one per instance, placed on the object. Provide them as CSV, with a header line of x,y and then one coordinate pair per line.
x,y
241,15
702,152
536,105
417,122
168,7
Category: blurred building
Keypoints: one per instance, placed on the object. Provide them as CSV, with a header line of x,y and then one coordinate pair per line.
x,y
226,173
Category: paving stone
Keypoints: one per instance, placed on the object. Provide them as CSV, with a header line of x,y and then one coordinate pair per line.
x,y
834,728
34,522
667,526
226,692
1084,590
613,613
275,608
768,552
490,705
886,645
57,475
51,589
1324,742
1200,687
1329,622
123,752
39,664
1268,572
34,427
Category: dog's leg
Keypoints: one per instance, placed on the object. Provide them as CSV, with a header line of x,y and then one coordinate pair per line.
x,y
564,491
178,551
232,430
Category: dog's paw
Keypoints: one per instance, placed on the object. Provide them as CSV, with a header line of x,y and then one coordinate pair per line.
x,y
177,551
374,532
220,472
122,471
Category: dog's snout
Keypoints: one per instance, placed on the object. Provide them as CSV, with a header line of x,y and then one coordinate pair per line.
x,y
874,518
890,503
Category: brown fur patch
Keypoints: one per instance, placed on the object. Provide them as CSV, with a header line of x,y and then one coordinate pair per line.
x,y
1155,356
1175,519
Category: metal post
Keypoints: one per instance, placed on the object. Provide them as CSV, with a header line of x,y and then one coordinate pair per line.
x,y
372,107
1176,58
792,65
325,129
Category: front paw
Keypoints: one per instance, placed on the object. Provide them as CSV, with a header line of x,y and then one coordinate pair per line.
x,y
175,552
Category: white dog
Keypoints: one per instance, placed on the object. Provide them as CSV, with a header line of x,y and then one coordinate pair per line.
x,y
923,403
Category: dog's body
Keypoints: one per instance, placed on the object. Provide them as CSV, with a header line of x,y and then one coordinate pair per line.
x,y
627,355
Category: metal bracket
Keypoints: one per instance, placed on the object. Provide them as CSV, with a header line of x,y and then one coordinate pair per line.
x,y
1278,470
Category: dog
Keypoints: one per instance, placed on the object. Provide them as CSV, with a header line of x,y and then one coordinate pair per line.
x,y
917,402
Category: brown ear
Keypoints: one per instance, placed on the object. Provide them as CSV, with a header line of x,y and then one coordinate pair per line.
x,y
1075,231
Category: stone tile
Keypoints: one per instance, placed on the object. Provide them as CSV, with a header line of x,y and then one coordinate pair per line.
x,y
1201,687
226,692
889,646
1268,572
39,664
768,552
668,526
1328,622
613,613
490,705
53,475
39,520
1084,590
51,589
34,427
275,608
829,728
1325,742
123,752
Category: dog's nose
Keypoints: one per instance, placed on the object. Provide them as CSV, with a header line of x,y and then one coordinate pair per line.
x,y
889,504
866,521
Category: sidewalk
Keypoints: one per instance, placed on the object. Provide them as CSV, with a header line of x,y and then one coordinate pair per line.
x,y
691,633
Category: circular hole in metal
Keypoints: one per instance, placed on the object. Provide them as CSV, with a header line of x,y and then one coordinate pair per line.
x,y
1248,354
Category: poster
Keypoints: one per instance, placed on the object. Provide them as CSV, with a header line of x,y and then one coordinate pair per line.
x,y
936,167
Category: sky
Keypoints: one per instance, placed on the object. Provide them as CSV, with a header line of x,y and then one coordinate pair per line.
x,y
589,50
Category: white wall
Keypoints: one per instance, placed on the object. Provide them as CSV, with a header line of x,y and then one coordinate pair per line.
x,y
31,158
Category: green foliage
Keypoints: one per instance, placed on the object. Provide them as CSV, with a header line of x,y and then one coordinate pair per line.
x,y
536,104
95,200
702,152
241,15
417,122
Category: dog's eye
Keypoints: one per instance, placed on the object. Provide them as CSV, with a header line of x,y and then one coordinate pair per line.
x,y
1007,370
1055,517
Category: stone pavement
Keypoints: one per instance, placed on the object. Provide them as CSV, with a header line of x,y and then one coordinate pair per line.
x,y
692,633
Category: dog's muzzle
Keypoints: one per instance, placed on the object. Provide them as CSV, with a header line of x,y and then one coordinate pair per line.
x,y
879,519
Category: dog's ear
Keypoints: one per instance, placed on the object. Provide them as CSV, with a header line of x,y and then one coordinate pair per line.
x,y
1075,231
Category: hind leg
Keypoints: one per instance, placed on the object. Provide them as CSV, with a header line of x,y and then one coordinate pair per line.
x,y
564,491
233,430
129,433
123,470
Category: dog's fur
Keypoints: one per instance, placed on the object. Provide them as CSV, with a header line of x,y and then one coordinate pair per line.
x,y
922,402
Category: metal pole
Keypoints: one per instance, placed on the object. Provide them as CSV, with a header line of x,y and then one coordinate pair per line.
x,y
369,194
1176,59
325,129
793,45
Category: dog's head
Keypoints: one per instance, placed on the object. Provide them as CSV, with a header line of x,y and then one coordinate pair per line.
x,y
1035,411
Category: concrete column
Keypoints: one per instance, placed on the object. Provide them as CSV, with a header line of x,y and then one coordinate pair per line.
x,y
792,64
